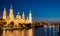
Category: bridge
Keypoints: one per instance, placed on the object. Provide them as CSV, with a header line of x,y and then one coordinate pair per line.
x,y
29,25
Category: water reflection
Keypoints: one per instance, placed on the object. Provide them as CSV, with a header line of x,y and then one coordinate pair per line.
x,y
30,32
17,32
3,32
43,31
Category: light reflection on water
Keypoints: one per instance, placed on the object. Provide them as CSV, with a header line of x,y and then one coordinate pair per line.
x,y
47,31
17,32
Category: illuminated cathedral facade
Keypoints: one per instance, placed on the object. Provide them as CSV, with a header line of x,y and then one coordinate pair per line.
x,y
18,18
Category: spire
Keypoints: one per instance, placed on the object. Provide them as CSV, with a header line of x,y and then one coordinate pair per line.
x,y
30,17
4,8
11,6
23,16
4,13
30,14
11,15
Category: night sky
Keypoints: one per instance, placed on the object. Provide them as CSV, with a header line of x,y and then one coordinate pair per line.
x,y
42,10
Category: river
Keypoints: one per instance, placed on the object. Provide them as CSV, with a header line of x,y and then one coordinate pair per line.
x,y
42,31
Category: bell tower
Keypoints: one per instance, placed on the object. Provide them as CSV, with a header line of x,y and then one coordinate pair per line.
x,y
23,18
30,17
11,13
4,13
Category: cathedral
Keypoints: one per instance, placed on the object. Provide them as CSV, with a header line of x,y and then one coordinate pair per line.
x,y
18,19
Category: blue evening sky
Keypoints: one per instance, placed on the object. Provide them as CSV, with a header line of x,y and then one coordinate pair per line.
x,y
41,9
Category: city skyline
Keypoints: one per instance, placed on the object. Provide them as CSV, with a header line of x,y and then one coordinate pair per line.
x,y
42,10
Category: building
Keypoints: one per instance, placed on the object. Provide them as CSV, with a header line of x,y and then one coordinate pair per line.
x,y
18,19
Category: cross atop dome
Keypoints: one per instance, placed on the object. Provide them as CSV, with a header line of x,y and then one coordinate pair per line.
x,y
18,13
